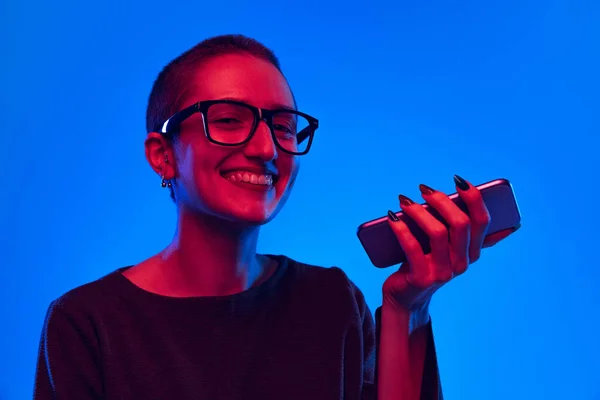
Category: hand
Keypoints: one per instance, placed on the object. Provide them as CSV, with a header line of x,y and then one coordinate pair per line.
x,y
453,249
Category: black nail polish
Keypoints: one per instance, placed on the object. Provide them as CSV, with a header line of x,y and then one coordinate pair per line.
x,y
405,201
461,183
393,216
425,189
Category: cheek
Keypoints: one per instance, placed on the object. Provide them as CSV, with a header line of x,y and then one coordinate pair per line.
x,y
195,169
204,167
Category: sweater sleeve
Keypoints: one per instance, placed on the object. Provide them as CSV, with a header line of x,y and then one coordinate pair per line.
x,y
431,386
371,330
370,356
68,365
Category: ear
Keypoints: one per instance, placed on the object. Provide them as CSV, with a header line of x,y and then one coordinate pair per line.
x,y
160,155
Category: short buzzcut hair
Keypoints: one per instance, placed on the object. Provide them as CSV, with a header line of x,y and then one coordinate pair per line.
x,y
173,81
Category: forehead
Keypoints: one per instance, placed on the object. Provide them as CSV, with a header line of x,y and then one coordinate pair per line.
x,y
242,77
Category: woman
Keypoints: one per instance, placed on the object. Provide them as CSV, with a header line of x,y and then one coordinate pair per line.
x,y
208,317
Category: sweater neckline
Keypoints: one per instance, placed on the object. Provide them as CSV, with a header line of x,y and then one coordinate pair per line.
x,y
264,288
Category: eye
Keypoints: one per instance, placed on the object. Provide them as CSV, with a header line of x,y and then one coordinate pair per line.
x,y
284,125
227,120
283,128
284,132
229,116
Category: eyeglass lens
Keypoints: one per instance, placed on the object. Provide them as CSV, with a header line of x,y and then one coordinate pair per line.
x,y
232,124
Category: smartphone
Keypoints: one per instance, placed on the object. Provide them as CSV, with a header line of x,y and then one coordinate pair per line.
x,y
384,250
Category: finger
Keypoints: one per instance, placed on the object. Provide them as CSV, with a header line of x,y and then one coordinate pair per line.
x,y
492,239
435,230
408,242
478,214
459,226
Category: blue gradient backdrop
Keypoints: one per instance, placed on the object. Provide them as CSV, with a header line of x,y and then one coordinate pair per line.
x,y
406,93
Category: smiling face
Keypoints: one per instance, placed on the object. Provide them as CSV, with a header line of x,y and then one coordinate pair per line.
x,y
247,183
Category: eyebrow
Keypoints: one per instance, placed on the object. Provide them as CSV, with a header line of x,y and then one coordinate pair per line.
x,y
275,106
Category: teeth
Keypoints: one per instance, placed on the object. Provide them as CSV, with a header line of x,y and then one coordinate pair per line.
x,y
249,177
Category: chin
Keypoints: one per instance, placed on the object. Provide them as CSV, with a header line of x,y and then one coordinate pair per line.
x,y
253,207
241,203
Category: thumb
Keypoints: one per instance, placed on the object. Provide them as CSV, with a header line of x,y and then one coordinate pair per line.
x,y
492,239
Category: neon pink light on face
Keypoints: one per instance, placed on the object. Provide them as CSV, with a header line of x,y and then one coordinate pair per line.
x,y
211,178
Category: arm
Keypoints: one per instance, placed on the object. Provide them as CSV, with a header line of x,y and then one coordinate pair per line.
x,y
68,365
407,363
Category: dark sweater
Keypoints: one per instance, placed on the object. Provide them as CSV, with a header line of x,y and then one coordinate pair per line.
x,y
305,333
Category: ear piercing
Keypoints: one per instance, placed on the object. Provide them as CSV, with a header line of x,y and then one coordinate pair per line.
x,y
165,182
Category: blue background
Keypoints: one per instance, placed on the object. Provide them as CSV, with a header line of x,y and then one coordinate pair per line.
x,y
406,93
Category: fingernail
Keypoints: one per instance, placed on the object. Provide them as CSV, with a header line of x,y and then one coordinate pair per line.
x,y
425,189
461,183
393,216
405,201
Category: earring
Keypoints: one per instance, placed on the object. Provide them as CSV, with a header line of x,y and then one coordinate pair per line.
x,y
165,182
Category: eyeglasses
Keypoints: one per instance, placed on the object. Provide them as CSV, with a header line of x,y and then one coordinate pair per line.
x,y
233,123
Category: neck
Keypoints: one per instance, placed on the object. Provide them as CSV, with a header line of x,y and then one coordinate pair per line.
x,y
212,257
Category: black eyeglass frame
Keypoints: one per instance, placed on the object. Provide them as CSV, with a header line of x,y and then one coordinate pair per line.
x,y
171,125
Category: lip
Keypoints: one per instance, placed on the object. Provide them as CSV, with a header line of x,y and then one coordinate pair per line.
x,y
254,170
252,187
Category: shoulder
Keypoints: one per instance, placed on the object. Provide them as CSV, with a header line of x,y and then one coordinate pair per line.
x,y
331,281
318,274
86,299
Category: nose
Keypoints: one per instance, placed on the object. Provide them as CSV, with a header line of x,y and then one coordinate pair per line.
x,y
261,145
